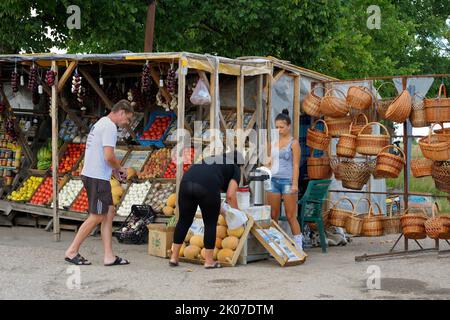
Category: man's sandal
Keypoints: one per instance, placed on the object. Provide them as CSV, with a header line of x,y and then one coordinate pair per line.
x,y
118,262
78,260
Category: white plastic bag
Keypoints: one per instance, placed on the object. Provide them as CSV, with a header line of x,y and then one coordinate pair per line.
x,y
235,218
201,95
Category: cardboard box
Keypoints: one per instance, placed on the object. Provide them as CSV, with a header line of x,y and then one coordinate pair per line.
x,y
261,215
160,238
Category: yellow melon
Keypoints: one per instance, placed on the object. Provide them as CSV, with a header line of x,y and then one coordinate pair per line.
x,y
114,183
183,246
197,241
117,191
222,221
188,236
172,200
168,211
236,232
221,232
218,243
131,172
203,253
191,252
225,255
230,242
116,199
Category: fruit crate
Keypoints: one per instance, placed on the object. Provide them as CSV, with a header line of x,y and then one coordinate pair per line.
x,y
66,207
62,180
157,142
127,190
164,158
71,207
21,184
137,158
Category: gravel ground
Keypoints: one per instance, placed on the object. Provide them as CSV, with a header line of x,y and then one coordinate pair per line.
x,y
32,267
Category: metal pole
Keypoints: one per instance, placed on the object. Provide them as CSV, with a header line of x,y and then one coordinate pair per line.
x,y
54,113
150,26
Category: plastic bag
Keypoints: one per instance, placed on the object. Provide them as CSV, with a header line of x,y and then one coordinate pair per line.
x,y
201,95
235,218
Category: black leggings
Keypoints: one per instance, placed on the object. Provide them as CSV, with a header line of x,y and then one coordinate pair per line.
x,y
190,196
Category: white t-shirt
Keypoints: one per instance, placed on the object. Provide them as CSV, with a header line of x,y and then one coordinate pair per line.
x,y
103,134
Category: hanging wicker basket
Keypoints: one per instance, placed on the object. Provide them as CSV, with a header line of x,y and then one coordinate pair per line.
x,y
445,218
317,139
400,108
354,222
391,223
334,163
357,125
382,105
417,116
413,224
355,174
435,147
443,132
373,224
441,175
372,144
318,168
338,126
421,167
389,165
333,106
311,103
338,217
435,227
438,109
359,97
346,146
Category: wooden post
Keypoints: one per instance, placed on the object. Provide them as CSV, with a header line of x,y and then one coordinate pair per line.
x,y
212,109
240,102
54,113
296,119
180,123
66,75
259,112
150,26
269,107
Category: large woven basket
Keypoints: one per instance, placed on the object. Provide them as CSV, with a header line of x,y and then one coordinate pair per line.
x,y
443,132
400,108
391,223
333,106
338,126
382,105
438,109
441,175
354,175
445,218
359,97
435,147
357,125
435,227
372,144
337,217
318,168
354,222
346,146
413,224
334,164
417,116
389,165
421,167
311,103
373,224
317,139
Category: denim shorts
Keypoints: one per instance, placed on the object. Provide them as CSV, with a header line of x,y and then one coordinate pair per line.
x,y
281,186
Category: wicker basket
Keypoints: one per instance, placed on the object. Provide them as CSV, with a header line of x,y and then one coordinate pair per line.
x,y
435,147
354,175
413,224
373,224
372,144
443,132
438,109
311,103
354,222
400,109
442,186
359,97
317,139
338,126
391,223
334,164
357,126
346,146
417,116
421,167
389,165
333,106
338,217
441,175
445,218
435,227
383,104
318,168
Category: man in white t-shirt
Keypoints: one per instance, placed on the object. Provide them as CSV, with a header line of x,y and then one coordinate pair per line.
x,y
100,163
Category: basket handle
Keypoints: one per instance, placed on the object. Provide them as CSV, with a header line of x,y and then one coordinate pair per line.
x,y
334,89
344,198
371,123
311,155
357,203
378,206
421,209
431,131
312,90
440,91
358,116
393,146
387,82
320,120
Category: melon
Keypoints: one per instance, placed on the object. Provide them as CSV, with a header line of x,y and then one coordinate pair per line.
x,y
222,221
188,236
131,172
117,191
183,246
218,243
114,183
197,241
221,232
203,253
191,252
225,255
236,232
168,211
230,242
172,200
116,200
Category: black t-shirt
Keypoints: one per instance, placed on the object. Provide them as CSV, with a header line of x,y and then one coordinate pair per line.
x,y
213,176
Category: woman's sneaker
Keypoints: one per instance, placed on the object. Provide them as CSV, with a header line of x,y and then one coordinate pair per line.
x,y
298,239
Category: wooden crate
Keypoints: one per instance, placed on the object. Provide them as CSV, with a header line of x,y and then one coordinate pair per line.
x,y
21,185
253,251
127,189
237,252
141,163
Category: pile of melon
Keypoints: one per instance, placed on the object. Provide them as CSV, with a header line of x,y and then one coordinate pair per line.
x,y
169,209
116,190
227,241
